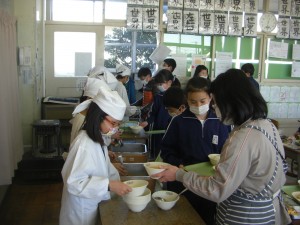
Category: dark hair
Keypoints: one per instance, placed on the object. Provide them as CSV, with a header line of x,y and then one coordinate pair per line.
x,y
143,72
170,62
248,68
174,97
237,98
164,75
94,117
199,68
119,77
196,84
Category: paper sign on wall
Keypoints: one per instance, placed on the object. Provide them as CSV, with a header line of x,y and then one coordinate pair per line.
x,y
296,69
278,50
223,62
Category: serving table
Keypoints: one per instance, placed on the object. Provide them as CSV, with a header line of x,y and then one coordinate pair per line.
x,y
116,212
293,151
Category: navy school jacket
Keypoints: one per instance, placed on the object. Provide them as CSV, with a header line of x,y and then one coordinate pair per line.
x,y
187,142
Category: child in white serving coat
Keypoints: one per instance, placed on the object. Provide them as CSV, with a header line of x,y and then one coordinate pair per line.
x,y
88,174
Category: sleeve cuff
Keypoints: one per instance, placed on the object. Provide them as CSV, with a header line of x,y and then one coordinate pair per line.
x,y
179,175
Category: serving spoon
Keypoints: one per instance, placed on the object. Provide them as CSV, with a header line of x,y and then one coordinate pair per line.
x,y
165,200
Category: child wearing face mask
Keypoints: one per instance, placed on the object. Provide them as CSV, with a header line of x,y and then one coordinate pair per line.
x,y
191,137
201,71
174,101
158,117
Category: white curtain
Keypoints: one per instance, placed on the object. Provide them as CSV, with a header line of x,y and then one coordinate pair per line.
x,y
11,144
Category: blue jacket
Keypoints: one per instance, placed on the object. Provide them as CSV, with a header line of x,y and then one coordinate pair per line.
x,y
187,142
254,82
130,88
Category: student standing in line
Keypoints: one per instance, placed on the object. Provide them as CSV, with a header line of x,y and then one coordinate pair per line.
x,y
191,137
149,90
248,69
251,171
88,174
169,64
174,101
158,117
201,71
123,75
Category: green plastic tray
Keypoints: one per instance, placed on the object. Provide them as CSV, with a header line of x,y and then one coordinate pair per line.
x,y
203,169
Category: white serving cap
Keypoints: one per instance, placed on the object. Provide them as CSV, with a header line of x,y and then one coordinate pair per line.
x,y
92,87
102,73
122,70
109,101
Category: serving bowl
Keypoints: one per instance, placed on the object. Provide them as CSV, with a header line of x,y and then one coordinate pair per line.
x,y
214,159
138,203
138,187
154,168
165,199
136,129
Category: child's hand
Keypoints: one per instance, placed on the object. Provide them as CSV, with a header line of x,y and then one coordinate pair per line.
x,y
121,169
119,187
143,124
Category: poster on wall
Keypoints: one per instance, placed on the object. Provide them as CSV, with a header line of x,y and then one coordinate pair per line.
x,y
251,6
236,6
175,4
196,61
206,5
150,18
296,52
191,4
223,62
295,69
221,5
174,20
295,28
284,7
134,18
206,25
151,2
221,23
283,27
235,24
190,21
295,10
250,22
278,50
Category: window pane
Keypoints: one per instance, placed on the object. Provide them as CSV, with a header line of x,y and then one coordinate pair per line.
x,y
74,53
115,10
77,11
146,38
142,57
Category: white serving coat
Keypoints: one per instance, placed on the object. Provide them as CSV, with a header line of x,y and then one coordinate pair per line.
x,y
86,174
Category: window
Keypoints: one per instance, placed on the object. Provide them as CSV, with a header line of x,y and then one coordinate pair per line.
x,y
115,10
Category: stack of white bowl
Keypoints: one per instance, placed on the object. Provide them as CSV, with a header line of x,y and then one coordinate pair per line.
x,y
139,197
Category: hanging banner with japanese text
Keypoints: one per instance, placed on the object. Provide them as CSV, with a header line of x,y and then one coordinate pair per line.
x,y
235,24
150,18
283,27
250,23
206,26
221,23
174,20
190,21
134,18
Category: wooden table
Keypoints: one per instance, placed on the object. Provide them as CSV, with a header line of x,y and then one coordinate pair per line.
x,y
116,212
293,152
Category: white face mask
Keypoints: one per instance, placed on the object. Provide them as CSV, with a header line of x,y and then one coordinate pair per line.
x,y
205,77
172,114
111,132
144,82
161,88
201,110
106,140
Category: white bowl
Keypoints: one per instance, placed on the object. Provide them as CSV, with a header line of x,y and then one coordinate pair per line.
x,y
138,187
136,129
153,168
137,207
145,197
214,159
170,199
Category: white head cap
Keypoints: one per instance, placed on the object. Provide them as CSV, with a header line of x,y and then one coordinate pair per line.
x,y
122,70
111,103
92,87
102,73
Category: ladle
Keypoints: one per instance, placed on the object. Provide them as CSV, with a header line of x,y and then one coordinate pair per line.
x,y
165,200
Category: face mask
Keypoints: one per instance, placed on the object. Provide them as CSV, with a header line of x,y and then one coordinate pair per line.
x,y
172,114
106,140
161,88
205,77
201,110
111,132
144,82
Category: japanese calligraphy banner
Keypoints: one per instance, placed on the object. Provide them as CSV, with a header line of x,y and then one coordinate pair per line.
x,y
134,18
174,20
250,25
221,5
251,6
207,4
284,7
151,2
283,27
236,5
190,21
206,25
150,18
235,24
295,28
175,4
221,23
295,8
191,4
134,2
